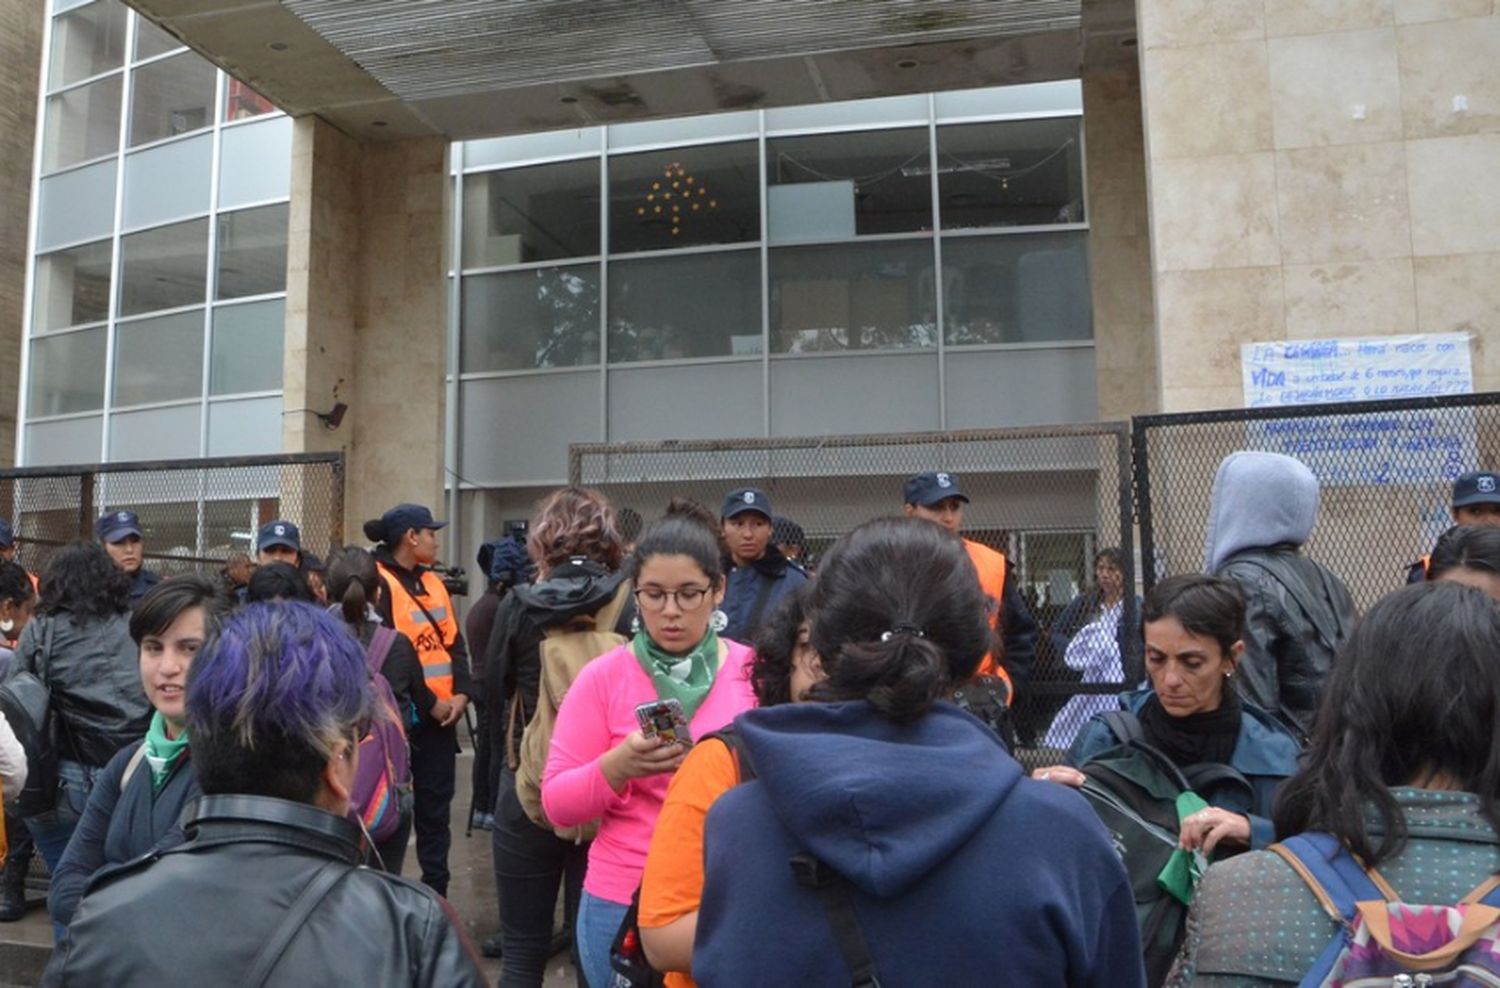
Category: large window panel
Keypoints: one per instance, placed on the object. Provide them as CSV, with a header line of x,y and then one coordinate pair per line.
x,y
168,182
67,373
159,359
171,97
1011,173
852,297
248,427
76,205
86,42
156,434
242,102
684,197
164,268
82,124
694,305
252,251
65,441
151,40
541,213
519,320
834,186
71,287
255,163
1020,288
247,347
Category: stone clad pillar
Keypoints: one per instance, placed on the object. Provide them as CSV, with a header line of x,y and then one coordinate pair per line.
x,y
367,312
21,24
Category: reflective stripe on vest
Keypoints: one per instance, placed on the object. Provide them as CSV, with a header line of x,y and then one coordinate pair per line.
x,y
431,642
991,567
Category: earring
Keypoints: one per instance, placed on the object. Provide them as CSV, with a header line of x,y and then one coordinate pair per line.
x,y
1229,675
7,626
718,621
635,624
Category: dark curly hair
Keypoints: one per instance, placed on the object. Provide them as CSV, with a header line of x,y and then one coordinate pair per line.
x,y
776,647
81,579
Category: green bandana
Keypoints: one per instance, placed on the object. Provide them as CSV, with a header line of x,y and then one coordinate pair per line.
x,y
1184,869
162,752
685,678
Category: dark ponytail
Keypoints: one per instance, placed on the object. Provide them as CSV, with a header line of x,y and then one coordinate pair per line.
x,y
898,617
352,583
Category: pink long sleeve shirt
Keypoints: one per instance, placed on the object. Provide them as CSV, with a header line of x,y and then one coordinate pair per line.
x,y
597,714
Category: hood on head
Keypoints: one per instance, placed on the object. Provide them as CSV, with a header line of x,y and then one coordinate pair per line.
x,y
880,803
1259,499
574,588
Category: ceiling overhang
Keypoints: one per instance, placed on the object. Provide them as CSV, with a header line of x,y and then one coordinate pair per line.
x,y
464,69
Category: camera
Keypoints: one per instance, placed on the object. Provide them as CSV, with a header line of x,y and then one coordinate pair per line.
x,y
455,579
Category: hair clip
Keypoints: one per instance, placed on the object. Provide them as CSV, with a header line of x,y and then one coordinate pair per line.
x,y
903,629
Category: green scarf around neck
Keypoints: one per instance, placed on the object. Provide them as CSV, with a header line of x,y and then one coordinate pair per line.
x,y
685,678
162,752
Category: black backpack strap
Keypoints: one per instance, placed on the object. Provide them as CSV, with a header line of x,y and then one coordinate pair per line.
x,y
838,902
312,894
731,739
1125,726
1207,776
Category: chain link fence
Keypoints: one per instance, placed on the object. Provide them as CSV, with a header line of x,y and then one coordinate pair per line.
x,y
1386,471
194,514
1049,498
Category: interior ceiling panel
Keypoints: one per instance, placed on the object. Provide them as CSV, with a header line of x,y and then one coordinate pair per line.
x,y
428,49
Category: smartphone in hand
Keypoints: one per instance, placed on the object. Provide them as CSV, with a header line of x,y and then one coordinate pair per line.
x,y
664,719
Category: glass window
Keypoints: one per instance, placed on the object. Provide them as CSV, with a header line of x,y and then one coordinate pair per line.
x,y
1021,288
151,40
71,287
696,305
65,441
171,97
865,297
255,163
1012,173
67,373
164,268
833,186
76,205
82,123
546,317
247,345
86,42
168,182
542,213
159,359
252,251
157,434
684,197
244,428
244,102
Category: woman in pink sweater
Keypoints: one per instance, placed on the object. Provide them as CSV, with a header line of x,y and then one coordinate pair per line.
x,y
600,767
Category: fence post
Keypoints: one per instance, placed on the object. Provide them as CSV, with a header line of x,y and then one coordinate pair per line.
x,y
336,497
86,506
1130,659
1142,461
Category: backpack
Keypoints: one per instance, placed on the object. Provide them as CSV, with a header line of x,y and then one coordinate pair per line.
x,y
1384,941
1134,789
26,704
382,783
565,650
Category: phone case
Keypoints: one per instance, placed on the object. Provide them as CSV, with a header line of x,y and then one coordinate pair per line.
x,y
664,719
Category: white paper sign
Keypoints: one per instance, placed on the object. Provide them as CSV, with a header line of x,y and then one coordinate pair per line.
x,y
1405,447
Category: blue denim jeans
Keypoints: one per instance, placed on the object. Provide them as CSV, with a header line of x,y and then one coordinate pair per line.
x,y
52,830
598,922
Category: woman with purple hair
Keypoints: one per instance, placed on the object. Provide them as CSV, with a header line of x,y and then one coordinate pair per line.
x,y
269,877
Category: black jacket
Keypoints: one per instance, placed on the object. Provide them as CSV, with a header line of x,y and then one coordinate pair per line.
x,y
1297,615
199,913
458,652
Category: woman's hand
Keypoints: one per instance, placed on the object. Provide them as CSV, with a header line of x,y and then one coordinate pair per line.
x,y
1206,829
1063,774
639,755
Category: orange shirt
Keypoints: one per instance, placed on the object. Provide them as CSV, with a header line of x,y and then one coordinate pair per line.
x,y
672,884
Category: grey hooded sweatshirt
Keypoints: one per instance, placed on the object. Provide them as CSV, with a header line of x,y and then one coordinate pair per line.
x,y
1298,613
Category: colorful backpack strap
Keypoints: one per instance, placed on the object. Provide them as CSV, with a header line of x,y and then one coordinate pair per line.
x,y
1486,894
1338,881
381,641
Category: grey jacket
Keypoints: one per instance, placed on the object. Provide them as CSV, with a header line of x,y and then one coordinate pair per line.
x,y
92,669
200,913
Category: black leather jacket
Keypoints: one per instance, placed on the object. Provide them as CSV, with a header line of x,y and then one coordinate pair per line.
x,y
1298,614
200,913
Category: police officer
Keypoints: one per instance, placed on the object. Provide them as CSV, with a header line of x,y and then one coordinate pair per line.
x,y
7,541
120,533
278,542
937,497
759,575
1476,501
417,604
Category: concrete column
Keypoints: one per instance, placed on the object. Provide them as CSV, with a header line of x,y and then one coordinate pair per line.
x,y
367,313
21,24
1319,170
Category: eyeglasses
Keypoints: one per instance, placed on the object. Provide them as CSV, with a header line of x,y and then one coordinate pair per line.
x,y
654,598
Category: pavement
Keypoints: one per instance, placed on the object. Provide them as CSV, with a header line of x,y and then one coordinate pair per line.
x,y
26,945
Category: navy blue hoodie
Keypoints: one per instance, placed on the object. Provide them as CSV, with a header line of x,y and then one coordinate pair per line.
x,y
964,873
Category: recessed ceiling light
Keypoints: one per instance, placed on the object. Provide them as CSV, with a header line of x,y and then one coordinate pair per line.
x,y
278,46
568,99
907,63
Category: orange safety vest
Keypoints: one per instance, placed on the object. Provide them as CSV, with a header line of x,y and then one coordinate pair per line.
x,y
431,638
991,567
